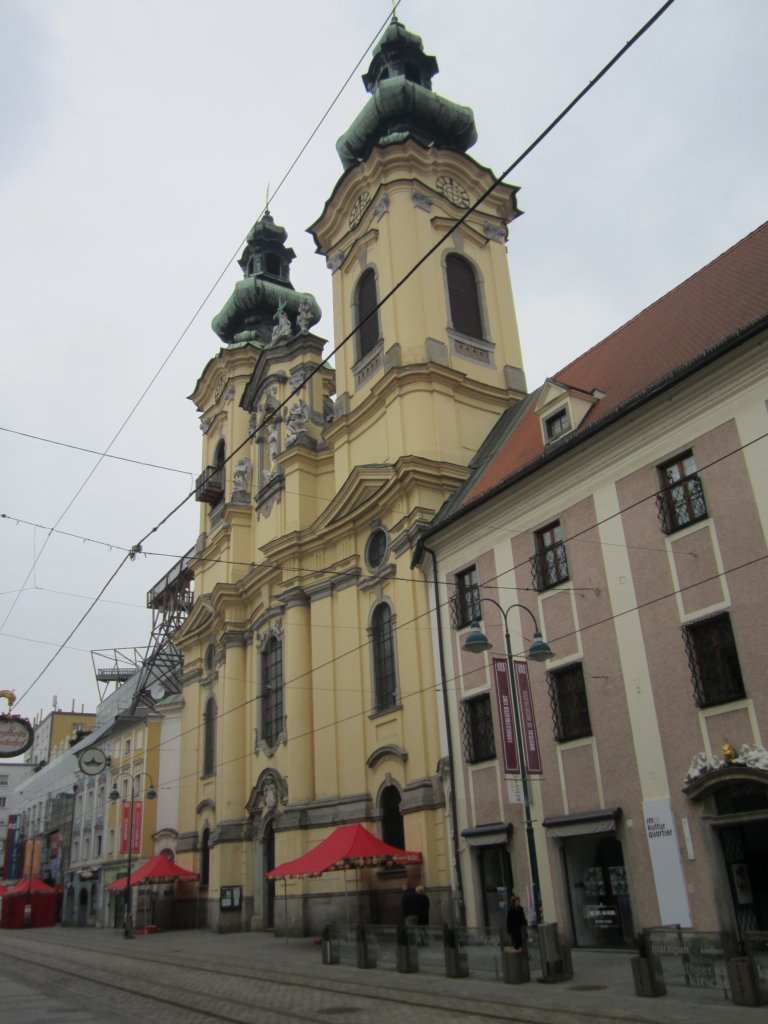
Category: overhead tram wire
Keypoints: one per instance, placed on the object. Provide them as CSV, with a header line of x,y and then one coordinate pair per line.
x,y
137,548
198,310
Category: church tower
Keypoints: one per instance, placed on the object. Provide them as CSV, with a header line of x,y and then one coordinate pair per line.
x,y
309,674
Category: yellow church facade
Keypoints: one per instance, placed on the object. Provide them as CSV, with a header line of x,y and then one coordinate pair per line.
x,y
310,662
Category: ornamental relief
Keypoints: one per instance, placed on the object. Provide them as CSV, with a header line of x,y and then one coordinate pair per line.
x,y
274,628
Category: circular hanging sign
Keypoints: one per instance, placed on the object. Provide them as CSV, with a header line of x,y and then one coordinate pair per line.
x,y
16,735
92,761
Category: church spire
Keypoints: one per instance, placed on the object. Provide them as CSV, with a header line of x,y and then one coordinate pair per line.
x,y
402,103
265,305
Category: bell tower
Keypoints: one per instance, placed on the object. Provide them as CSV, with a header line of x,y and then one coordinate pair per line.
x,y
442,355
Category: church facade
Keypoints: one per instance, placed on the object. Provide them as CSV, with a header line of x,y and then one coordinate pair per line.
x,y
309,681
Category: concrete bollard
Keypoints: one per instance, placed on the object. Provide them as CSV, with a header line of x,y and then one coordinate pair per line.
x,y
515,967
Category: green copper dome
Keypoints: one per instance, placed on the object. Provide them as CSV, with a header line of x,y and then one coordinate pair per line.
x,y
402,104
265,307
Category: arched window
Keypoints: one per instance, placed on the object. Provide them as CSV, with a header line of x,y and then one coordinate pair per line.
x,y
271,691
218,460
365,302
383,650
209,737
205,858
392,830
463,296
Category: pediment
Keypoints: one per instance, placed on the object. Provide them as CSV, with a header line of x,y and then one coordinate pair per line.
x,y
361,487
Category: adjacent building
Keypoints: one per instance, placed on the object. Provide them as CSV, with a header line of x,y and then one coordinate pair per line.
x,y
623,508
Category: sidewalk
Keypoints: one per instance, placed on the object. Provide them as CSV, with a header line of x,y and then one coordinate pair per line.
x,y
601,987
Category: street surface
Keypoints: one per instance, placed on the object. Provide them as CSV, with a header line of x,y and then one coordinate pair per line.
x,y
91,976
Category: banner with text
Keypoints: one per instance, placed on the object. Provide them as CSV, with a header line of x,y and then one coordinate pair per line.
x,y
506,715
125,827
528,723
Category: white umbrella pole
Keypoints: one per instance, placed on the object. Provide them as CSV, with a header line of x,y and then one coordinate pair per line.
x,y
285,907
346,898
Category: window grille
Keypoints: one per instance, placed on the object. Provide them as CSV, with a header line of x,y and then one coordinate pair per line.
x,y
568,700
549,564
713,661
477,738
681,500
465,602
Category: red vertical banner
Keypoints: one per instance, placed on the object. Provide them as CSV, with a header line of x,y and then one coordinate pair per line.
x,y
125,824
506,715
138,807
531,749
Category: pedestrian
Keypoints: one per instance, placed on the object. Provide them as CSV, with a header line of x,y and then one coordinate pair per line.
x,y
516,921
409,906
422,906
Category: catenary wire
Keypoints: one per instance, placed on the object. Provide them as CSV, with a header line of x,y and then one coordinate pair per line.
x,y
137,548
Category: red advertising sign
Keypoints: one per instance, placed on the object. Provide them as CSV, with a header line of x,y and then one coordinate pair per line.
x,y
506,716
528,721
125,826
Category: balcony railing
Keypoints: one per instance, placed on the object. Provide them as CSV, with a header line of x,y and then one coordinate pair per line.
x,y
210,485
549,567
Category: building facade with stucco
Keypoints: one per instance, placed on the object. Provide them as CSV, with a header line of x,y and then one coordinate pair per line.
x,y
623,508
309,662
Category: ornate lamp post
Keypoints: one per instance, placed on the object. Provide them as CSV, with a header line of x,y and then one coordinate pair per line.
x,y
114,796
476,642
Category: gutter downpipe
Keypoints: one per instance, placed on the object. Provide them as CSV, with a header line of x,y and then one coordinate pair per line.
x,y
459,907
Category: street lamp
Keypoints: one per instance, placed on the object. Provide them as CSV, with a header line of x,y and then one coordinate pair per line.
x,y
114,796
476,642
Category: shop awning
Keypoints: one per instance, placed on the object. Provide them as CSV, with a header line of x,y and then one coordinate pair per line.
x,y
585,823
488,835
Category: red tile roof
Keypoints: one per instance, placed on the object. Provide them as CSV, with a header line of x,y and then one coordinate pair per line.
x,y
726,296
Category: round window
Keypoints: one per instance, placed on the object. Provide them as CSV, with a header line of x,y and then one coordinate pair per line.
x,y
376,548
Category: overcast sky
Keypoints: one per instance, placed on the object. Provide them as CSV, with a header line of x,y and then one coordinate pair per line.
x,y
137,141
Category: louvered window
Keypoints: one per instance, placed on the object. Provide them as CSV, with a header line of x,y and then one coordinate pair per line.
x,y
463,297
368,334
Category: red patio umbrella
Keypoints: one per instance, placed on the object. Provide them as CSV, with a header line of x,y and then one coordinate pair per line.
x,y
30,885
157,869
349,846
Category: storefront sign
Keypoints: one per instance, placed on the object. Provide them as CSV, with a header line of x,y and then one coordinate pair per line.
x,y
528,723
665,859
16,735
506,716
601,916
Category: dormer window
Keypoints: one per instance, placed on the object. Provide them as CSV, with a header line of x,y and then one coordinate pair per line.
x,y
557,424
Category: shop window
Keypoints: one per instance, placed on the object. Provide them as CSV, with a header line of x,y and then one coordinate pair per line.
x,y
272,691
568,700
477,736
714,661
681,499
467,598
383,658
205,858
367,316
549,564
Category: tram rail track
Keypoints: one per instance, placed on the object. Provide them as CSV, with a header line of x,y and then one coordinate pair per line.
x,y
159,982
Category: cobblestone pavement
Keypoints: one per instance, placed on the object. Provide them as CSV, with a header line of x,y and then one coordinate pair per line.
x,y
256,976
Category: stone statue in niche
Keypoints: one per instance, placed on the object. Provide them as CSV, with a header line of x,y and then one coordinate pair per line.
x,y
242,475
304,317
272,452
282,328
298,414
